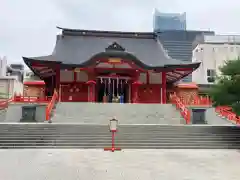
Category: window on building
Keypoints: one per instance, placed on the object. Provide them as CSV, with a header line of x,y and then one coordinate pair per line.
x,y
211,75
211,72
211,79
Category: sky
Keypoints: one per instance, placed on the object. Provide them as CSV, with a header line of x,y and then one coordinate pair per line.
x,y
28,27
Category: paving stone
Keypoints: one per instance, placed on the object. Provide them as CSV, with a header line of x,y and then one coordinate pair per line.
x,y
125,165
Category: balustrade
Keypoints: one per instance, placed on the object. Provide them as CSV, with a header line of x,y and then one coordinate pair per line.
x,y
226,112
185,112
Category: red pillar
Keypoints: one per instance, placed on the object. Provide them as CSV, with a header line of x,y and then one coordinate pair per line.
x,y
57,80
74,76
134,94
164,87
135,89
91,96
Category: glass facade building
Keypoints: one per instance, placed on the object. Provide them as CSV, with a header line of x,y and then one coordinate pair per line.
x,y
169,21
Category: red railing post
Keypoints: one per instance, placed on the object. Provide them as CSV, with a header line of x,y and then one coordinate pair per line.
x,y
51,105
184,111
227,113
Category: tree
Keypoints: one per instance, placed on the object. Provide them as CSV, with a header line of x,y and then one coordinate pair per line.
x,y
227,89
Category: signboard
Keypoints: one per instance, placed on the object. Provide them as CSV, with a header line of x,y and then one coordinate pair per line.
x,y
114,60
77,70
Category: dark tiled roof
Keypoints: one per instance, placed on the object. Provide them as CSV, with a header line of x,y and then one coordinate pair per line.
x,y
78,47
43,58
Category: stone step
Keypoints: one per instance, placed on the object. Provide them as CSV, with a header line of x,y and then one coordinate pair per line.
x,y
122,148
141,138
129,136
125,136
121,128
120,141
132,133
126,146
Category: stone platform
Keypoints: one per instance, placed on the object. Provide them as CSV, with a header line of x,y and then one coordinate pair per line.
x,y
101,113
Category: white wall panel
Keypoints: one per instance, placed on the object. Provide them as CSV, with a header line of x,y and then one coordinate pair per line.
x,y
143,78
66,76
155,78
82,76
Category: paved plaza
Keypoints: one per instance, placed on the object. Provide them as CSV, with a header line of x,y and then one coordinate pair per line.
x,y
124,165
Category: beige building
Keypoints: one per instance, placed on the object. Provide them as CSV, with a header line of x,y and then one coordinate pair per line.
x,y
9,86
212,52
3,66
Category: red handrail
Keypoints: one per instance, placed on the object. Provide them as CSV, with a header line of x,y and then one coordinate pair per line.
x,y
227,113
223,111
4,104
185,112
51,105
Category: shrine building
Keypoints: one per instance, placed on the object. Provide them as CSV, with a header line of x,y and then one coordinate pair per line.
x,y
109,66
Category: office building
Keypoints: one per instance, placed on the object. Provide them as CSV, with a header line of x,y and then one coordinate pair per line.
x,y
169,21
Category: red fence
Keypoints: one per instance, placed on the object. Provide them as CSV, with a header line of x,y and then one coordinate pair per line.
x,y
51,105
227,113
31,99
185,112
182,105
198,101
223,111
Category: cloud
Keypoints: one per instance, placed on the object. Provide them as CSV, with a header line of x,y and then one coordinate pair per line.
x,y
108,15
28,27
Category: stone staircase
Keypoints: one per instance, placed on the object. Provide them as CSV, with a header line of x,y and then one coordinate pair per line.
x,y
100,113
128,137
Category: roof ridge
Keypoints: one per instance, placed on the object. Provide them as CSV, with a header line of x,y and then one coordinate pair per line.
x,y
123,34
